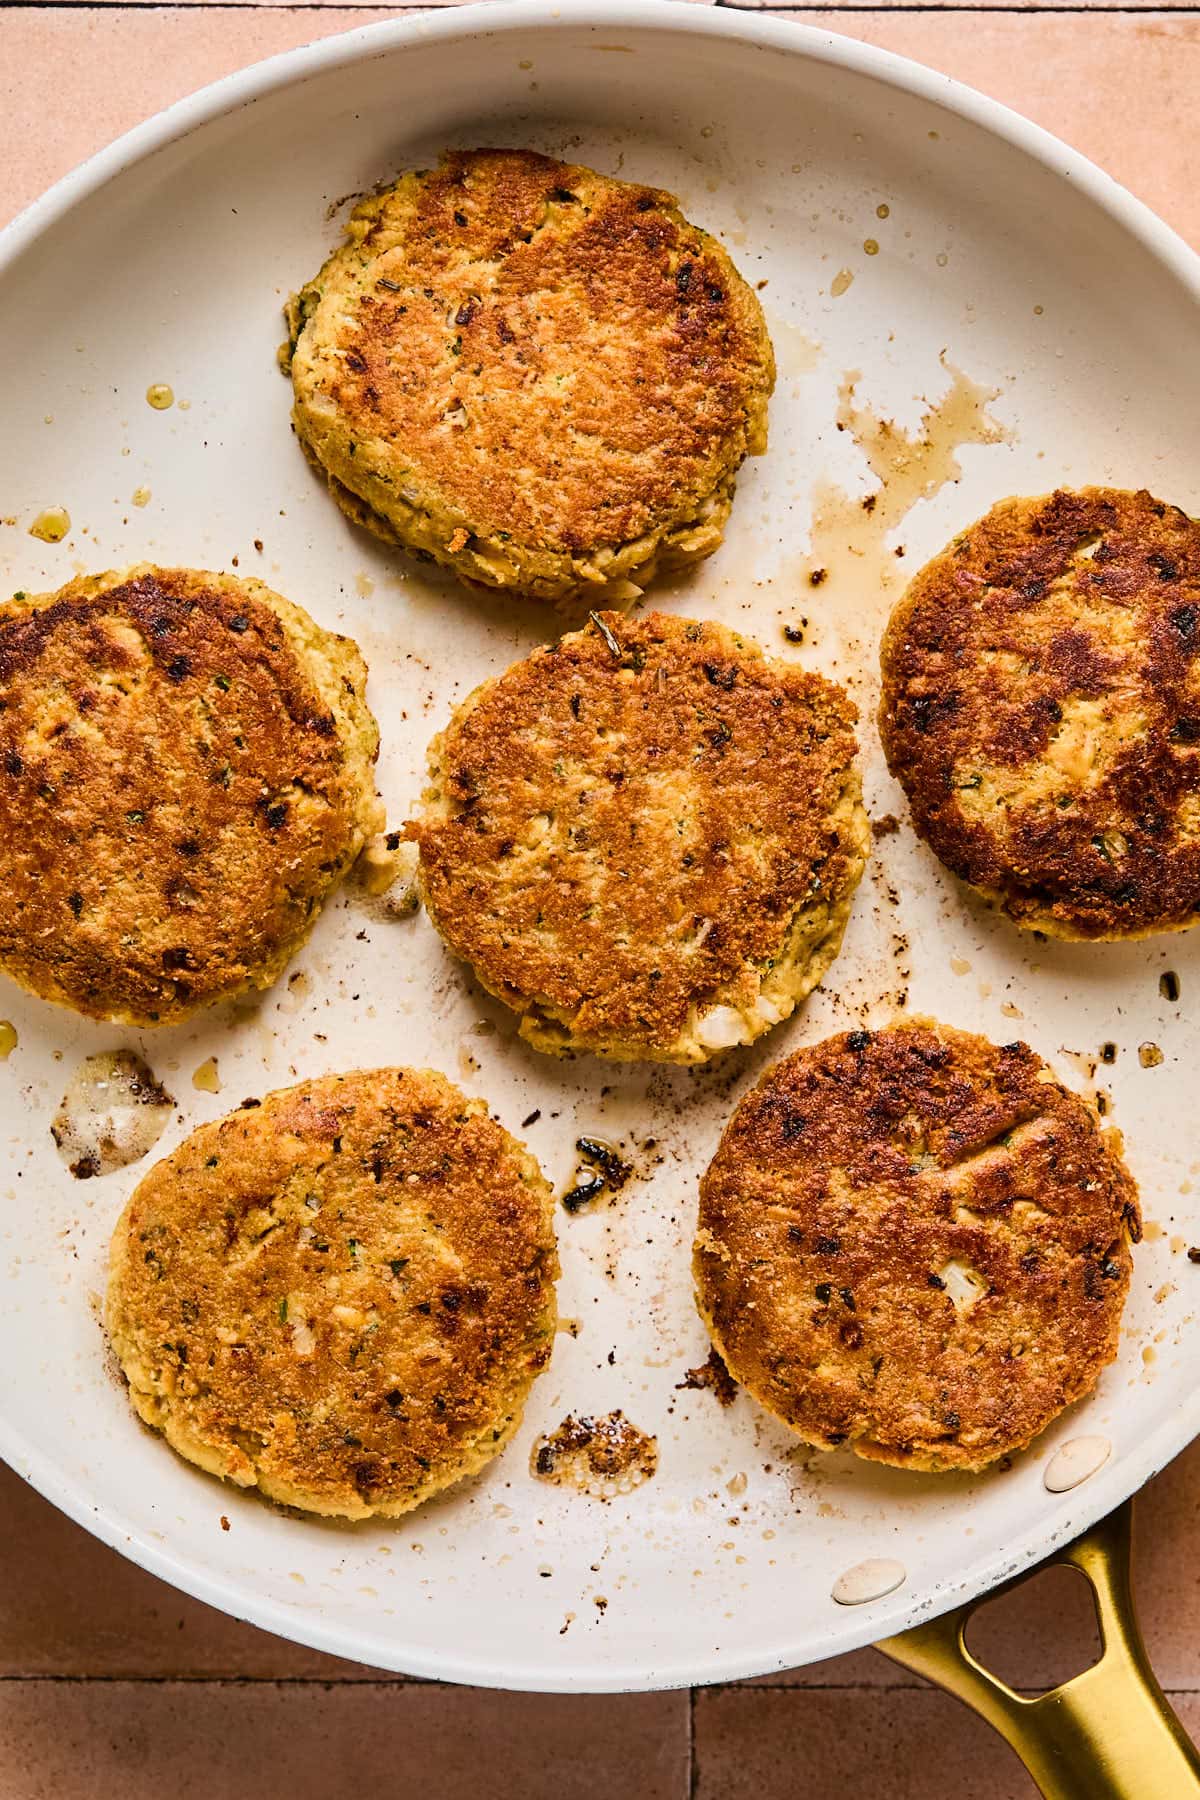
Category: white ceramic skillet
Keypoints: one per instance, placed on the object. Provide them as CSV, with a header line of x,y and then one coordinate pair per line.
x,y
915,244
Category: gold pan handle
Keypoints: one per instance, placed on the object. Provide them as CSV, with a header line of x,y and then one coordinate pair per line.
x,y
1107,1734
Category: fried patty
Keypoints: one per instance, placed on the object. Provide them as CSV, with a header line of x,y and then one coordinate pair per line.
x,y
540,377
1041,708
186,769
645,838
917,1243
340,1297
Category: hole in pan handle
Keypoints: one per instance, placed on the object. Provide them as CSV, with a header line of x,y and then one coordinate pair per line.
x,y
1107,1734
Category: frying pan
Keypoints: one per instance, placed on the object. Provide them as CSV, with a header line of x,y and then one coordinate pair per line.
x,y
926,259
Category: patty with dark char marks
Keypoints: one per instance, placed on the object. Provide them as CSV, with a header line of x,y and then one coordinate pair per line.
x,y
186,769
916,1243
1041,709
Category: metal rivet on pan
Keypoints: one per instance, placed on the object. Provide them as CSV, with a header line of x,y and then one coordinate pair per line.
x,y
1075,1461
869,1580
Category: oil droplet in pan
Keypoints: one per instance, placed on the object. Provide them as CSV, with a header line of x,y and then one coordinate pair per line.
x,y
850,546
1074,1461
52,525
869,1580
8,1039
160,396
207,1077
113,1112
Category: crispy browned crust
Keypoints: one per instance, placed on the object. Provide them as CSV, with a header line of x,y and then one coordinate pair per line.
x,y
340,1296
536,374
847,1183
644,821
1041,707
185,770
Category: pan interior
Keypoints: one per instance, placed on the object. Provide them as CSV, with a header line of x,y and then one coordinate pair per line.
x,y
911,261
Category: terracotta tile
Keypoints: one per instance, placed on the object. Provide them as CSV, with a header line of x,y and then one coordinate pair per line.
x,y
1167,1570
72,79
907,1744
1121,90
198,1741
69,1606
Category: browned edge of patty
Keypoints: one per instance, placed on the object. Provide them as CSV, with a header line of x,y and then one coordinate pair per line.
x,y
858,1187
1041,709
539,375
625,825
185,771
340,1296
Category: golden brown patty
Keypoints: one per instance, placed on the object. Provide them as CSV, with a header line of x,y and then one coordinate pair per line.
x,y
917,1243
645,839
186,768
540,377
341,1296
1041,707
